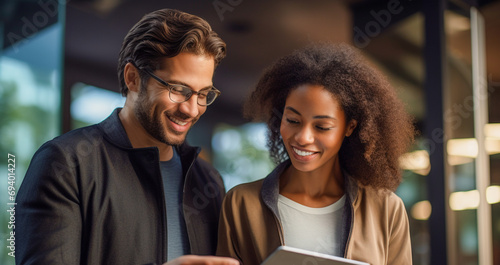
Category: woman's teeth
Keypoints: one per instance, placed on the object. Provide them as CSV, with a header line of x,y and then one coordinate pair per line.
x,y
302,153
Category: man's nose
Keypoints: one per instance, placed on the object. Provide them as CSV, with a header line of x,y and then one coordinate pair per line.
x,y
190,106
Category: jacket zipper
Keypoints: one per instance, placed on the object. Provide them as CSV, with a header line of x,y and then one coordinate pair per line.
x,y
187,171
183,192
164,248
280,229
350,232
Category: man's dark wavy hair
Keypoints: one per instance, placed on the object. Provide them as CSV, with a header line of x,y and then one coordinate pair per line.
x,y
384,129
164,34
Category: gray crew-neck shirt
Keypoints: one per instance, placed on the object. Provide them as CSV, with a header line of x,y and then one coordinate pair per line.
x,y
173,182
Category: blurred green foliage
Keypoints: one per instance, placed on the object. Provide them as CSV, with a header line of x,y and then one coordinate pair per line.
x,y
17,121
240,153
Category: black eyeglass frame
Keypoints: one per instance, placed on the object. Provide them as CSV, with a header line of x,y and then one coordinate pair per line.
x,y
187,96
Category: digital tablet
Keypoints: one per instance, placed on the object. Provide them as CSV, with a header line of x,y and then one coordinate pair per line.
x,y
285,255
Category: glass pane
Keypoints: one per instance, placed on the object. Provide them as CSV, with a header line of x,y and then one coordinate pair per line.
x,y
461,145
398,52
91,105
240,153
30,90
491,18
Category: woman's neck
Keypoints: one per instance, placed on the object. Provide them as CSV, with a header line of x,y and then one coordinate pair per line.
x,y
318,188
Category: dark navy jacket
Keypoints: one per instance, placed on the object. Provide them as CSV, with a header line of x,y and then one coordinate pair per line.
x,y
88,198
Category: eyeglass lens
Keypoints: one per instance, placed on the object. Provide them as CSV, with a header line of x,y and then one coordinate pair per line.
x,y
181,93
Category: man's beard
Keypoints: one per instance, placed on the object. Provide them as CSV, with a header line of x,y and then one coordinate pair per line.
x,y
153,124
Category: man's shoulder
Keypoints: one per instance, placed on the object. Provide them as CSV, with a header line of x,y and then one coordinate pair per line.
x,y
202,163
203,167
91,134
75,144
73,137
205,172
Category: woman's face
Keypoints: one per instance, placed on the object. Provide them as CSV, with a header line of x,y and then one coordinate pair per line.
x,y
313,127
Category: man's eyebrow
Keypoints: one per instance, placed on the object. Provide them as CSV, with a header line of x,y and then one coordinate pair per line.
x,y
315,117
175,82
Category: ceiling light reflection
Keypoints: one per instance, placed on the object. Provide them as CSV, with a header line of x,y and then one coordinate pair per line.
x,y
421,210
464,200
493,194
416,161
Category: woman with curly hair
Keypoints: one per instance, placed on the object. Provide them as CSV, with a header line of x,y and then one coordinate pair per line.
x,y
336,131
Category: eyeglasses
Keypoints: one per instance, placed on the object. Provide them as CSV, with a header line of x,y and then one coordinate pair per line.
x,y
180,93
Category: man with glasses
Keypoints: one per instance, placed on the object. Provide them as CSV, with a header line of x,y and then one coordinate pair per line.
x,y
129,190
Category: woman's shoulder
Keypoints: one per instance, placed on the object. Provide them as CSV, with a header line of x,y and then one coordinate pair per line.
x,y
246,190
381,197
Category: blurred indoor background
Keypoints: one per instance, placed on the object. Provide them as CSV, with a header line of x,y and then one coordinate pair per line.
x,y
58,72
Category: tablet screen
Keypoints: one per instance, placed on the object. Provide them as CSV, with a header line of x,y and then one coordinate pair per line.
x,y
285,255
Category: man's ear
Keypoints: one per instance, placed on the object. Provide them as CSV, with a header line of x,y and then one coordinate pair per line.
x,y
351,125
132,77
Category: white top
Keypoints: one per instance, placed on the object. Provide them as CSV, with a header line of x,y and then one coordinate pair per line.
x,y
313,229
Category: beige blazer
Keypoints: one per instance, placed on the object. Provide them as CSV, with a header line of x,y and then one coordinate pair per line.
x,y
376,228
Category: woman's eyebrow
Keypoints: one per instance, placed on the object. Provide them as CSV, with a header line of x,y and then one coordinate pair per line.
x,y
324,117
293,110
315,117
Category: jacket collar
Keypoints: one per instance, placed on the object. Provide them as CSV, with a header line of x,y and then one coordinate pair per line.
x,y
270,187
114,131
351,186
